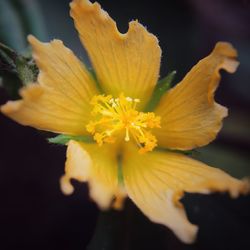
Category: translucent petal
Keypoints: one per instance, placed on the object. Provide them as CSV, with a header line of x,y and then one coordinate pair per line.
x,y
98,166
127,63
190,115
156,181
60,100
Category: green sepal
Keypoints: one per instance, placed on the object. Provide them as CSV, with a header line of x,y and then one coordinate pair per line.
x,y
64,139
120,173
26,69
7,59
161,87
8,74
185,152
16,71
94,76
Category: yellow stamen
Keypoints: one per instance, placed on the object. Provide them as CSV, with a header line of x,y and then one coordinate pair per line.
x,y
114,116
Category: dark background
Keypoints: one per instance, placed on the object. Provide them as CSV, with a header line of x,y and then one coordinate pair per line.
x,y
34,214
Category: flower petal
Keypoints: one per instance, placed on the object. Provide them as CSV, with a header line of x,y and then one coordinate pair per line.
x,y
156,181
98,166
190,116
127,63
60,102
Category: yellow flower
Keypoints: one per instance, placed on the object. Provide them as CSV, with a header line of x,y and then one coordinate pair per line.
x,y
66,100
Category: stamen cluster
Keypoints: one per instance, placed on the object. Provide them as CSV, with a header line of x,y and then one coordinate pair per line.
x,y
116,116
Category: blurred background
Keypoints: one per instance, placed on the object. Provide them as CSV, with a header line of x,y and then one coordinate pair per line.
x,y
34,214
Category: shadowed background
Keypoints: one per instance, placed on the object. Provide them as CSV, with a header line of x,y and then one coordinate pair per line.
x,y
34,214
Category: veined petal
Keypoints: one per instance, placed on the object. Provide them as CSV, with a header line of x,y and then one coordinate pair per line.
x,y
127,63
190,116
60,102
155,181
96,165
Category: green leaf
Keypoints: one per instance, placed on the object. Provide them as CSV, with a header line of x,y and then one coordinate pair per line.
x,y
64,139
18,18
31,18
229,158
11,29
162,86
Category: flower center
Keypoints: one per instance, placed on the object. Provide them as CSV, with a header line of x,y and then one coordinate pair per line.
x,y
118,116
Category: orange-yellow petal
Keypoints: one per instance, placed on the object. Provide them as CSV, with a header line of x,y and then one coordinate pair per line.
x,y
190,117
60,100
127,63
98,166
156,181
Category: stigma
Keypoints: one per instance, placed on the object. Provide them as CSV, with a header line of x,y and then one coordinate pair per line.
x,y
115,118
